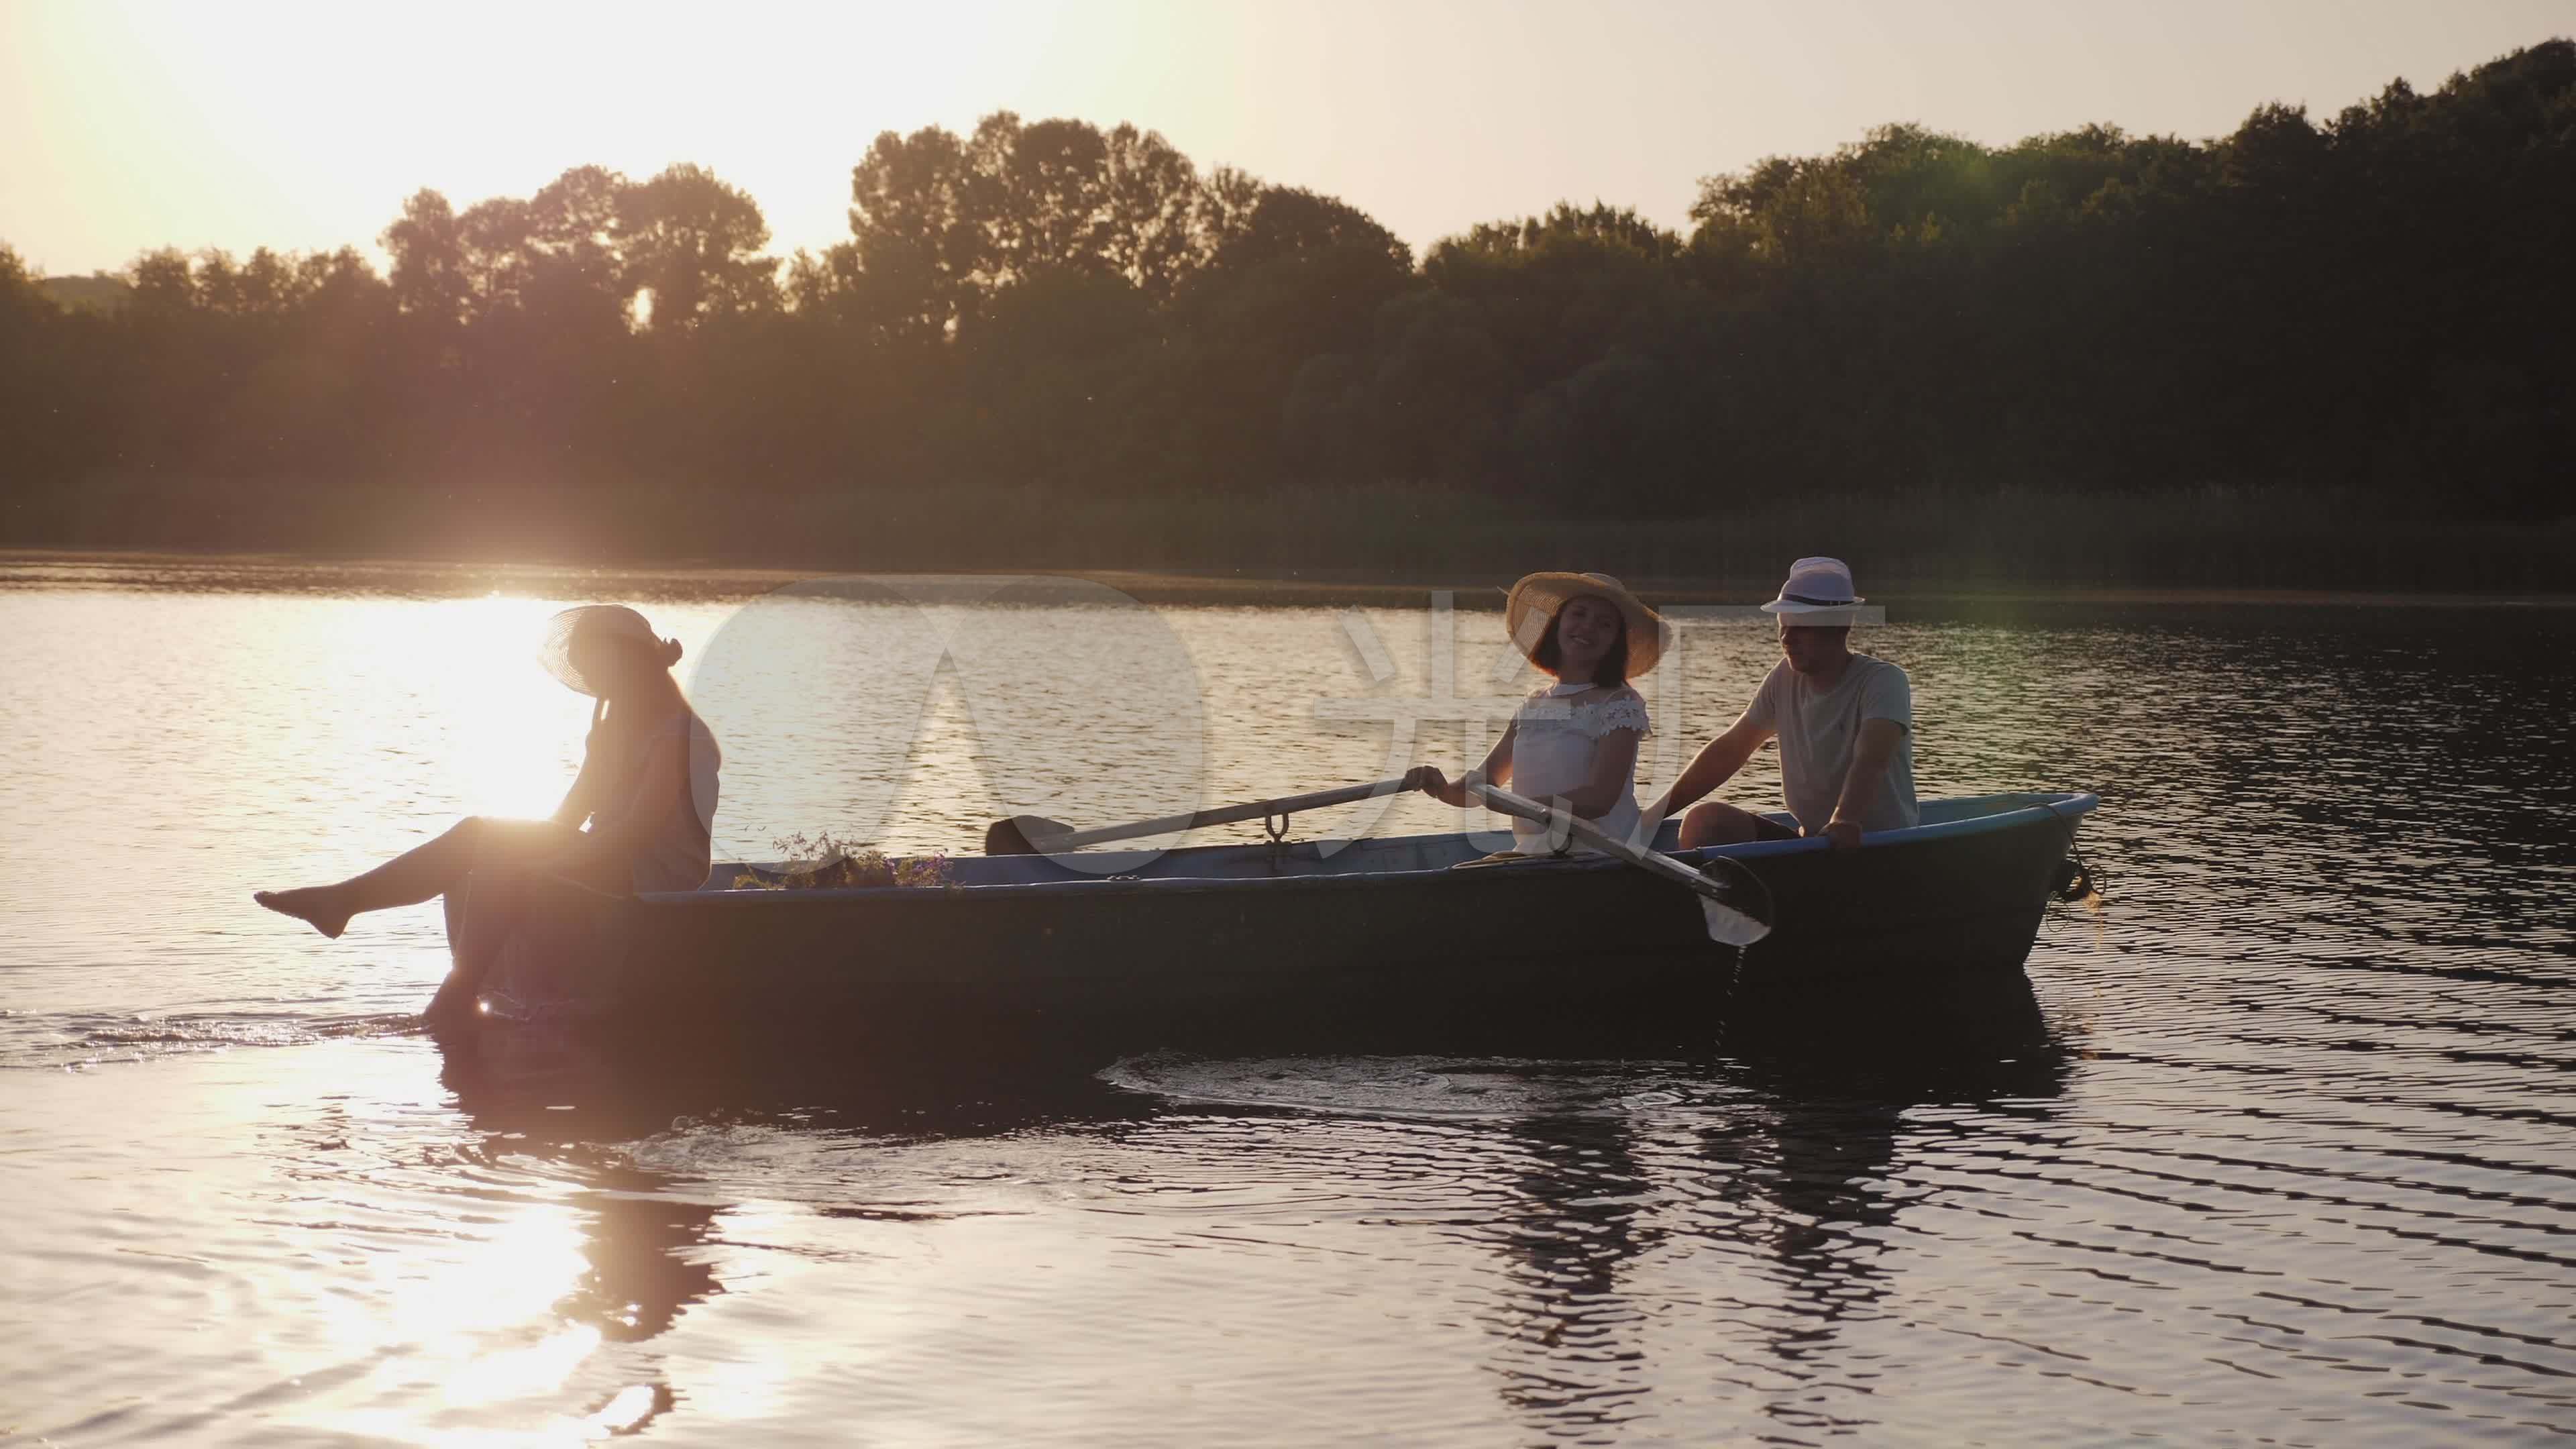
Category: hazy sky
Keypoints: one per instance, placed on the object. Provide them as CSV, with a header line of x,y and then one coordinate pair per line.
x,y
131,125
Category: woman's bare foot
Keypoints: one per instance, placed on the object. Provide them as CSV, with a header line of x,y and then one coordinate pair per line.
x,y
316,906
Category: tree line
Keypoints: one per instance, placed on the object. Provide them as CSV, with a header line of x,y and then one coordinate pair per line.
x,y
2375,307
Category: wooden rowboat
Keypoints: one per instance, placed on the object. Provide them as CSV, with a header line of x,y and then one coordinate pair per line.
x,y
1373,944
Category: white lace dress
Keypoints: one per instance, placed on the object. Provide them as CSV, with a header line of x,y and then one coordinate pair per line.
x,y
1553,740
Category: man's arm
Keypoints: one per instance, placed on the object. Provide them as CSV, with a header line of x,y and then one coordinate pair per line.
x,y
1876,746
1714,765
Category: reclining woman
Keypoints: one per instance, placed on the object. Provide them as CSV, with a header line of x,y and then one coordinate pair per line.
x,y
647,789
1574,741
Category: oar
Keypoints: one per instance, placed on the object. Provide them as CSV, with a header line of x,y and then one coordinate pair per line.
x,y
1037,835
1735,902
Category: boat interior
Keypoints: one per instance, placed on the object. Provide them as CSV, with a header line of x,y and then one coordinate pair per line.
x,y
1410,853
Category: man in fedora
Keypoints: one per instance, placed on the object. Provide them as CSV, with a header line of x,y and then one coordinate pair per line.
x,y
1845,723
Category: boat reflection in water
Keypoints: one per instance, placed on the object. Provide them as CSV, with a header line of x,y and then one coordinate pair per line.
x,y
1759,1192
1571,1210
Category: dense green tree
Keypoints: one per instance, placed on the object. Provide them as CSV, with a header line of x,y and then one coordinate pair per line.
x,y
690,243
2375,304
951,222
495,239
1290,222
164,284
918,213
432,276
1152,203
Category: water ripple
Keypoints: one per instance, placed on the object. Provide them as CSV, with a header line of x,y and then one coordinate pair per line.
x,y
2292,1165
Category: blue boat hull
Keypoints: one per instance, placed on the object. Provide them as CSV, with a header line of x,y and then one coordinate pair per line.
x,y
1372,945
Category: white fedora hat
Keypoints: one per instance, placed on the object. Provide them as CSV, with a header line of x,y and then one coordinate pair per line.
x,y
1817,586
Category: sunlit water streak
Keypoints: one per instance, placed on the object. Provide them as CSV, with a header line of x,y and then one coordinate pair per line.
x,y
2295,1165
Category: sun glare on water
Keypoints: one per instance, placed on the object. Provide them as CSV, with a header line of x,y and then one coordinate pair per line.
x,y
515,732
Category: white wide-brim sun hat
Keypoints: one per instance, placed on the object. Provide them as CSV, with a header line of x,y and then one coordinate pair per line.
x,y
1535,600
598,621
1817,586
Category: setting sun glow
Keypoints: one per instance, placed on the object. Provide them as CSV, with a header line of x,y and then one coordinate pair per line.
x,y
302,126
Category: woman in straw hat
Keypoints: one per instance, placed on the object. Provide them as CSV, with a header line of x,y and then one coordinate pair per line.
x,y
1575,740
646,789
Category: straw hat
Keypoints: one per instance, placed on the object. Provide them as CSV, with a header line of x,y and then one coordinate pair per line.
x,y
1816,586
1535,600
599,621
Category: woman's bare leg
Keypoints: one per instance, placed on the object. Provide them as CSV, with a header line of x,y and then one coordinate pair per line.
x,y
423,872
480,914
491,908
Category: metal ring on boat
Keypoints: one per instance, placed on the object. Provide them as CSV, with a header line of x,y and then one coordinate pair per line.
x,y
2074,880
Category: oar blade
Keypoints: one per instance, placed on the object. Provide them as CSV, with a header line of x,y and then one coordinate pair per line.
x,y
1728,926
1738,910
1022,835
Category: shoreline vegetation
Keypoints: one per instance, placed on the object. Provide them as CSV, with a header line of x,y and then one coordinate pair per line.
x,y
2003,542
696,580
2310,355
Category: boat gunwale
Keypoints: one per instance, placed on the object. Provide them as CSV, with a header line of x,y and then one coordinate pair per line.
x,y
2064,807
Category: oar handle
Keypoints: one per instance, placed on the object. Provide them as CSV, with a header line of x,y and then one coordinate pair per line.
x,y
1736,905
1222,815
1551,817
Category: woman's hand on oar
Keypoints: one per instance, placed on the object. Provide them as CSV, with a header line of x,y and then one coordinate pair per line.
x,y
1735,903
1432,782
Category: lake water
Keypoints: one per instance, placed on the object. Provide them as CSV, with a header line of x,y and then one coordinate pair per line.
x,y
2295,1166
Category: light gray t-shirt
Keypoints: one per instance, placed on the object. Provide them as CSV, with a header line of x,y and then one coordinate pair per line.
x,y
1819,728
